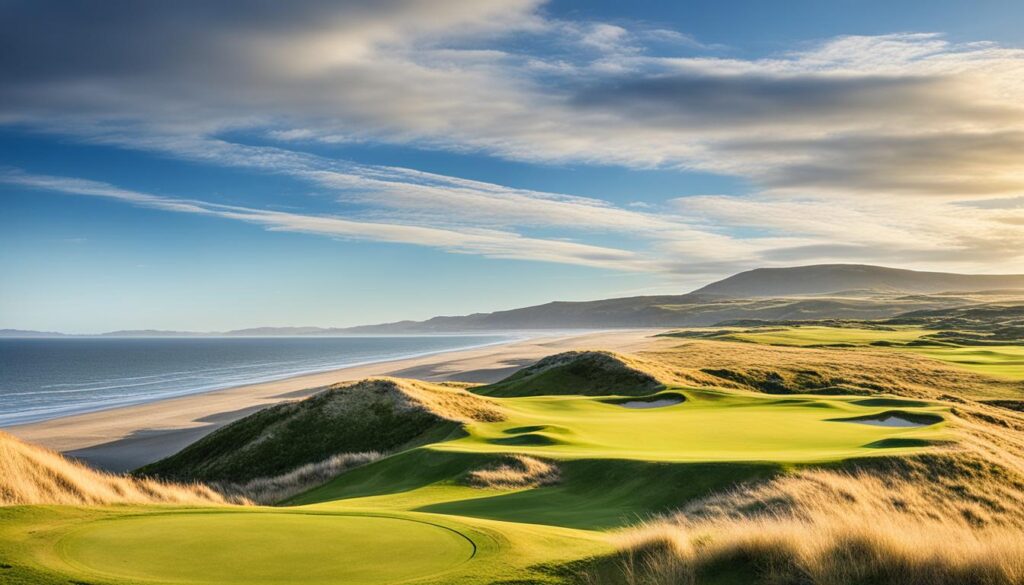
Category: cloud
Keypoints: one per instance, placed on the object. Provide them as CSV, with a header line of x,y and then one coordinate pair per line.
x,y
963,164
858,148
489,243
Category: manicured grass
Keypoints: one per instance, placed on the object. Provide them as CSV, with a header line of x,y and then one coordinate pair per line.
x,y
708,427
592,494
1005,361
263,548
152,544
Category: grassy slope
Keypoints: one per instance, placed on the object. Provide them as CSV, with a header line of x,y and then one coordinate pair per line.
x,y
591,373
709,426
373,415
617,465
1005,360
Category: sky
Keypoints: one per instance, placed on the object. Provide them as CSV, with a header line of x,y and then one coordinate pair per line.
x,y
200,165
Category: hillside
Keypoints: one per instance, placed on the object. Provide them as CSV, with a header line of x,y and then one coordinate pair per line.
x,y
587,373
374,415
835,278
30,474
689,310
842,291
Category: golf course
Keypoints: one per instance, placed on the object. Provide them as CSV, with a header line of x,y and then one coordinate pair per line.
x,y
1000,358
522,493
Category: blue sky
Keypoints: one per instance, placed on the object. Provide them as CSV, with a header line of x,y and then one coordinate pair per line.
x,y
188,166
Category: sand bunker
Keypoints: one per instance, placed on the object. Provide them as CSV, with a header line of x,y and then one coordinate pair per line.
x,y
894,419
658,402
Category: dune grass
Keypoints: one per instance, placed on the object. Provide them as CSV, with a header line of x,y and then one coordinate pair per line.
x,y
832,527
379,414
33,475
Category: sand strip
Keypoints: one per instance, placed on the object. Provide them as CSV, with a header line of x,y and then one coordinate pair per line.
x,y
124,438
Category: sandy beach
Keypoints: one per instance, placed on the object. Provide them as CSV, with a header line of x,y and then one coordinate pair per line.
x,y
124,438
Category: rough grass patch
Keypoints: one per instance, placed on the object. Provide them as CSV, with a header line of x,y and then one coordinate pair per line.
x,y
515,472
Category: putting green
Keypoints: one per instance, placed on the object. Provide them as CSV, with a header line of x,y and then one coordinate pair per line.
x,y
264,548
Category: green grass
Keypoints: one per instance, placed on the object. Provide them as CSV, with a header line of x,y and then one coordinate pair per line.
x,y
593,494
709,427
411,516
1004,361
277,439
264,548
159,545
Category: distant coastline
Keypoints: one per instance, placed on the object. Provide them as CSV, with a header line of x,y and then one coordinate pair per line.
x,y
22,392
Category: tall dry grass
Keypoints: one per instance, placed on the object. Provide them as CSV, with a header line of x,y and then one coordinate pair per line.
x,y
272,490
515,472
954,516
836,549
837,528
947,518
30,474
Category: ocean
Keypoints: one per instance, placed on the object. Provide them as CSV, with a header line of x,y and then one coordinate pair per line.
x,y
48,378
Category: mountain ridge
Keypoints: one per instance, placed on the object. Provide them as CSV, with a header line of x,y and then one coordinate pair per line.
x,y
835,278
822,291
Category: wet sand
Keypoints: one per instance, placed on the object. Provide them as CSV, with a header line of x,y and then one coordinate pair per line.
x,y
124,438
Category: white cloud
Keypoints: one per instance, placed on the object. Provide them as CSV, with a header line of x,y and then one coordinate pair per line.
x,y
490,243
859,148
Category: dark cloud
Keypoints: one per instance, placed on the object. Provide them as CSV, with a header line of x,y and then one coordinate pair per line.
x,y
57,39
702,99
939,163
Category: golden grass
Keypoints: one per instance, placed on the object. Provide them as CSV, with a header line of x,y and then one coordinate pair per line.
x,y
444,401
271,490
33,475
515,472
447,402
835,549
801,369
955,516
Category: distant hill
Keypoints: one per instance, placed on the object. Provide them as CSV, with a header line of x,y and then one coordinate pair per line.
x,y
689,310
26,333
835,278
828,291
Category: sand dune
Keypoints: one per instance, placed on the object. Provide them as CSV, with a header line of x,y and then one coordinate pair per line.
x,y
126,438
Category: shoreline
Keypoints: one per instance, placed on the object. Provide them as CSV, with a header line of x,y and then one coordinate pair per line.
x,y
168,395
127,437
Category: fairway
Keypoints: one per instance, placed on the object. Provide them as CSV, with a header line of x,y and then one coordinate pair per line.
x,y
708,426
994,359
264,548
1005,361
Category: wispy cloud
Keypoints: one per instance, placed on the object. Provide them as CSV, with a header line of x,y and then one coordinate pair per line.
x,y
490,243
860,148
